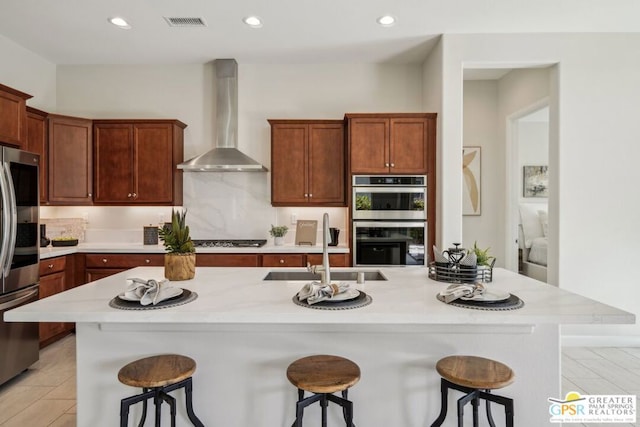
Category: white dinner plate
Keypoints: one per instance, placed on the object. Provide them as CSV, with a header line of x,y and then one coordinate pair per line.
x,y
488,295
346,295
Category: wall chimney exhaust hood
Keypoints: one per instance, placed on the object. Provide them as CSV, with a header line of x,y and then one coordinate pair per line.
x,y
225,157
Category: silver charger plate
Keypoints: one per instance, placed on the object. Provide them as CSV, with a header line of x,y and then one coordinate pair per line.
x,y
361,300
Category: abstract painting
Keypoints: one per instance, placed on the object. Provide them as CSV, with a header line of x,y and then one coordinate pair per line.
x,y
471,184
536,181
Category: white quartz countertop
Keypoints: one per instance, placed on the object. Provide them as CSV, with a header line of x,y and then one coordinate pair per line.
x,y
240,296
50,251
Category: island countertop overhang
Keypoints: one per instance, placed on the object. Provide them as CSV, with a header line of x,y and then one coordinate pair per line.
x,y
239,296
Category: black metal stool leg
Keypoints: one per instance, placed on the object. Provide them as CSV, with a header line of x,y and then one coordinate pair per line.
x,y
124,414
475,403
489,416
143,418
508,412
444,391
188,390
157,401
172,405
323,405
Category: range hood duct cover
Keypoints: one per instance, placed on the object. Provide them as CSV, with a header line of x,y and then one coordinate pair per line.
x,y
225,157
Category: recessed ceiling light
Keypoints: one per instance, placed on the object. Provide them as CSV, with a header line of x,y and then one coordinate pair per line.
x,y
253,21
120,22
386,20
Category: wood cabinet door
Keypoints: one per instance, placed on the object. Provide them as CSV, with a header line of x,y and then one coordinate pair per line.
x,y
95,274
326,164
51,284
70,161
289,184
227,260
369,145
408,145
335,260
152,164
37,143
13,116
113,163
283,260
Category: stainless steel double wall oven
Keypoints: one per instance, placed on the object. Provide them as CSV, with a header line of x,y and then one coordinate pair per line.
x,y
389,219
19,257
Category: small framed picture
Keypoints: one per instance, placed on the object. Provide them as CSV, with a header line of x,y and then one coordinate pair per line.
x,y
535,181
471,180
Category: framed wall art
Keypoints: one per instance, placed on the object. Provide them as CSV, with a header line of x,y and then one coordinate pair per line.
x,y
535,181
471,180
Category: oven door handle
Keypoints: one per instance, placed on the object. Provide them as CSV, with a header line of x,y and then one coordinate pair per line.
x,y
12,216
385,224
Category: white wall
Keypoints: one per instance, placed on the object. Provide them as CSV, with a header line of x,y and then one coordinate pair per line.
x,y
29,73
232,205
593,148
480,128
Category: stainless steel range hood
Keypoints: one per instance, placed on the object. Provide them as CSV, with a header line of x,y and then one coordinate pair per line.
x,y
225,157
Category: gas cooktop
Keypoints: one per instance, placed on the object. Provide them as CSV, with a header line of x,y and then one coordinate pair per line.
x,y
228,243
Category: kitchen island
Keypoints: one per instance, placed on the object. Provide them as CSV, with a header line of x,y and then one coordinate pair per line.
x,y
244,331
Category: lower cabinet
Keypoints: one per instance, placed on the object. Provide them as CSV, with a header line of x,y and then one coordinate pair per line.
x,y
283,260
335,260
98,266
52,281
227,260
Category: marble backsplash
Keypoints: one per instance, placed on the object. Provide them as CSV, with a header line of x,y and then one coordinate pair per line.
x,y
219,206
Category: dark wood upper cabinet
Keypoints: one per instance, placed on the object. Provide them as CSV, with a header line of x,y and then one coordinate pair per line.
x,y
307,163
135,162
70,160
13,116
37,142
390,143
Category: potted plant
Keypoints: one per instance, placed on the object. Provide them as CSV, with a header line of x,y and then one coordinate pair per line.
x,y
278,232
482,255
180,261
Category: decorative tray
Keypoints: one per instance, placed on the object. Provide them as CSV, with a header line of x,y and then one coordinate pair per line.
x,y
185,297
452,273
360,301
68,242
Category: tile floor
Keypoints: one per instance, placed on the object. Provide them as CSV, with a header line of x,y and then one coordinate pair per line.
x,y
45,395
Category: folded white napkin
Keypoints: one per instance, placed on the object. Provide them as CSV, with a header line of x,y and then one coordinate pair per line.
x,y
150,291
315,291
453,292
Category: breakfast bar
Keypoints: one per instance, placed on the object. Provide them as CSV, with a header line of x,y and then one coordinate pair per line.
x,y
243,332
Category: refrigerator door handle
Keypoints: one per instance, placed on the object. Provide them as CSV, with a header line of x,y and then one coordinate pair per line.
x,y
13,220
6,227
18,301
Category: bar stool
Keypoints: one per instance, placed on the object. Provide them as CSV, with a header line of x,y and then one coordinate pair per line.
x,y
475,376
323,375
158,375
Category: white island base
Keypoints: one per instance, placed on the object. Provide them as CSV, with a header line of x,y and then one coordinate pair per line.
x,y
241,375
244,331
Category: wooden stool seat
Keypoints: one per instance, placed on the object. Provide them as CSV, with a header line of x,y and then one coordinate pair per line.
x,y
475,377
157,371
475,372
158,376
323,373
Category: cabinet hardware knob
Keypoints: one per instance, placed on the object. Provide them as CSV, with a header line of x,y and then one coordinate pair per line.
x,y
281,261
135,195
392,165
129,195
306,195
104,260
147,261
310,195
88,195
386,165
50,265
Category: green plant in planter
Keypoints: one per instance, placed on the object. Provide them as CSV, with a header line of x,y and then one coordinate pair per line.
x,y
278,230
363,203
483,255
176,239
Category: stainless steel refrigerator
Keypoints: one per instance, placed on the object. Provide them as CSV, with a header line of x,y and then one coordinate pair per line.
x,y
19,257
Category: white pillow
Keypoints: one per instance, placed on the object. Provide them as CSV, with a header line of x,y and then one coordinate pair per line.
x,y
544,222
531,226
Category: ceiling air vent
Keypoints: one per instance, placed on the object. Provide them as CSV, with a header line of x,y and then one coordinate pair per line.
x,y
185,22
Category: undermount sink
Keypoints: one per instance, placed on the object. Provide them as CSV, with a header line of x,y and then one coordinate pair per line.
x,y
335,275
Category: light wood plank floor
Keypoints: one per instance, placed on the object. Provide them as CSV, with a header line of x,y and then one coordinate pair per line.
x,y
45,395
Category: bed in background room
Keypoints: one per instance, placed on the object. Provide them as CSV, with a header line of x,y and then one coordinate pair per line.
x,y
533,240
